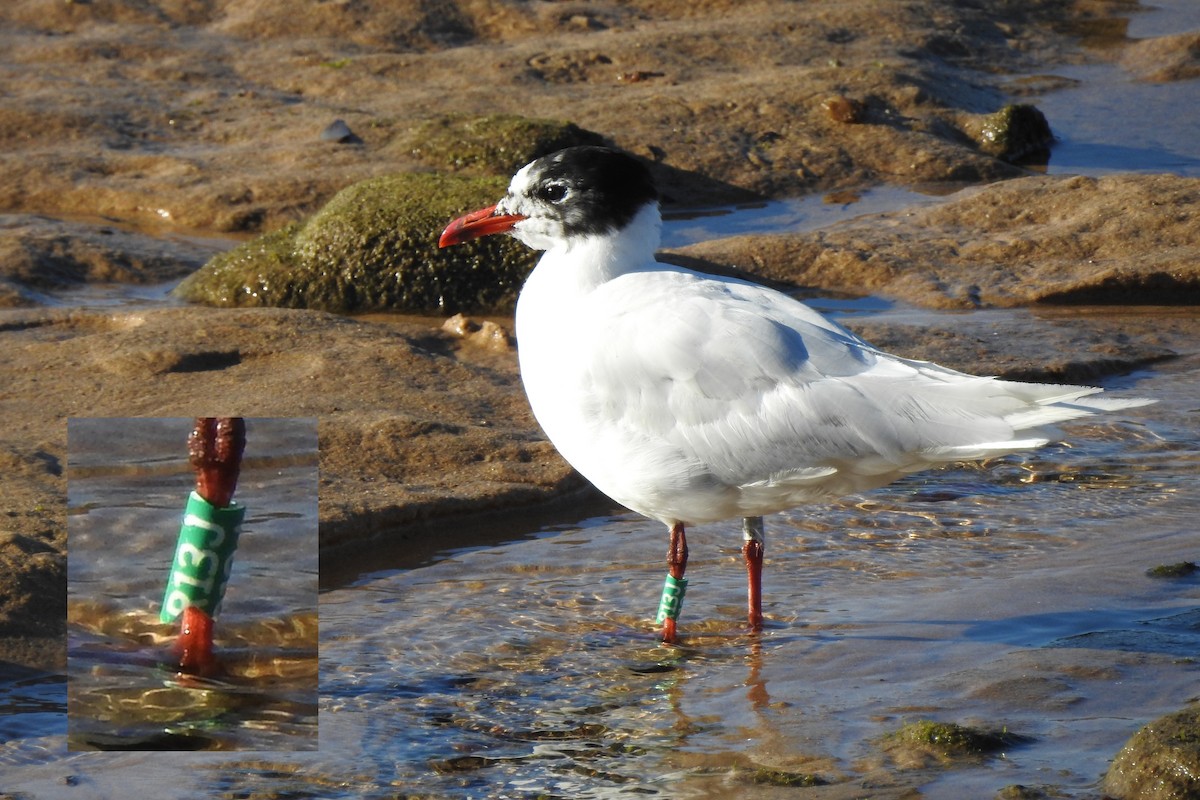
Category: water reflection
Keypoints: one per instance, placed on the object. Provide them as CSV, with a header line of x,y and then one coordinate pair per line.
x,y
533,665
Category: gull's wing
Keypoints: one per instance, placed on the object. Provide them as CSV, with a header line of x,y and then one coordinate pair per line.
x,y
763,393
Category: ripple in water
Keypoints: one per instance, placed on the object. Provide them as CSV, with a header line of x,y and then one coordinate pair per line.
x,y
531,668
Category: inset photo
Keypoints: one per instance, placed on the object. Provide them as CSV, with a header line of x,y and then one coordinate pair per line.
x,y
192,575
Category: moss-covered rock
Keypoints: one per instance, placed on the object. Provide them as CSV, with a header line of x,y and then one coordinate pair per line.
x,y
1181,569
764,776
926,742
374,247
1160,762
1018,792
496,144
1017,133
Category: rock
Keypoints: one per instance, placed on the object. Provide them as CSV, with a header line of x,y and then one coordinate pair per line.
x,y
844,109
165,119
33,606
1065,350
765,776
1018,791
1180,569
1160,762
1122,239
373,247
185,114
1164,58
1018,134
338,131
413,427
925,742
483,334
39,255
496,144
416,430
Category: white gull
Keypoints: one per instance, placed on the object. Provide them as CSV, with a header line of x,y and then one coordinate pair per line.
x,y
692,398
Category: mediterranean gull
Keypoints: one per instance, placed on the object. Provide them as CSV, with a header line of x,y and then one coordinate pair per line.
x,y
691,398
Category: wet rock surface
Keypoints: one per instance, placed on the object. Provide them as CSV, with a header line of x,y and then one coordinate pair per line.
x,y
210,115
925,742
40,255
1125,240
419,425
1160,762
1164,58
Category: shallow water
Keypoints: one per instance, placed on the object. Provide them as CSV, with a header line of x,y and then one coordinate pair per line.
x,y
32,704
127,482
794,215
1011,596
1111,122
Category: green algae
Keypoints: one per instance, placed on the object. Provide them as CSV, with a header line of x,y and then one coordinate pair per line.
x,y
1181,569
1018,792
496,144
947,742
764,776
1159,762
1017,134
374,247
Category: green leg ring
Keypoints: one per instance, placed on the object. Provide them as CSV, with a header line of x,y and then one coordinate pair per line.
x,y
203,557
672,599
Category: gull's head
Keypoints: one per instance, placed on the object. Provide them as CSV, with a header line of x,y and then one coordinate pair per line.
x,y
577,193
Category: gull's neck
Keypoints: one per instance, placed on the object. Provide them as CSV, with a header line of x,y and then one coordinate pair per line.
x,y
598,258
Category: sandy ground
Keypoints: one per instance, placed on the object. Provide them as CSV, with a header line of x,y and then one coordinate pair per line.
x,y
133,132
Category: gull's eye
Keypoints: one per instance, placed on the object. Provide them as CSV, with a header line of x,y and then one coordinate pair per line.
x,y
551,192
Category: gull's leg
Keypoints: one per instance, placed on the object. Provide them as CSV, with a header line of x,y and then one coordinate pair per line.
x,y
194,646
752,550
672,600
215,449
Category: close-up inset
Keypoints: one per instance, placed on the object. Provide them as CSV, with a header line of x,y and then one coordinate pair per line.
x,y
192,584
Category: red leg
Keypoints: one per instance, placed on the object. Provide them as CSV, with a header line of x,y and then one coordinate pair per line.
x,y
677,557
215,449
194,647
752,551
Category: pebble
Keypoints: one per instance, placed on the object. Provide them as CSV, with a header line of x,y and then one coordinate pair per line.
x,y
338,131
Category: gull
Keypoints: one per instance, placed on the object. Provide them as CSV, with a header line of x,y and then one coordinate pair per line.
x,y
691,398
